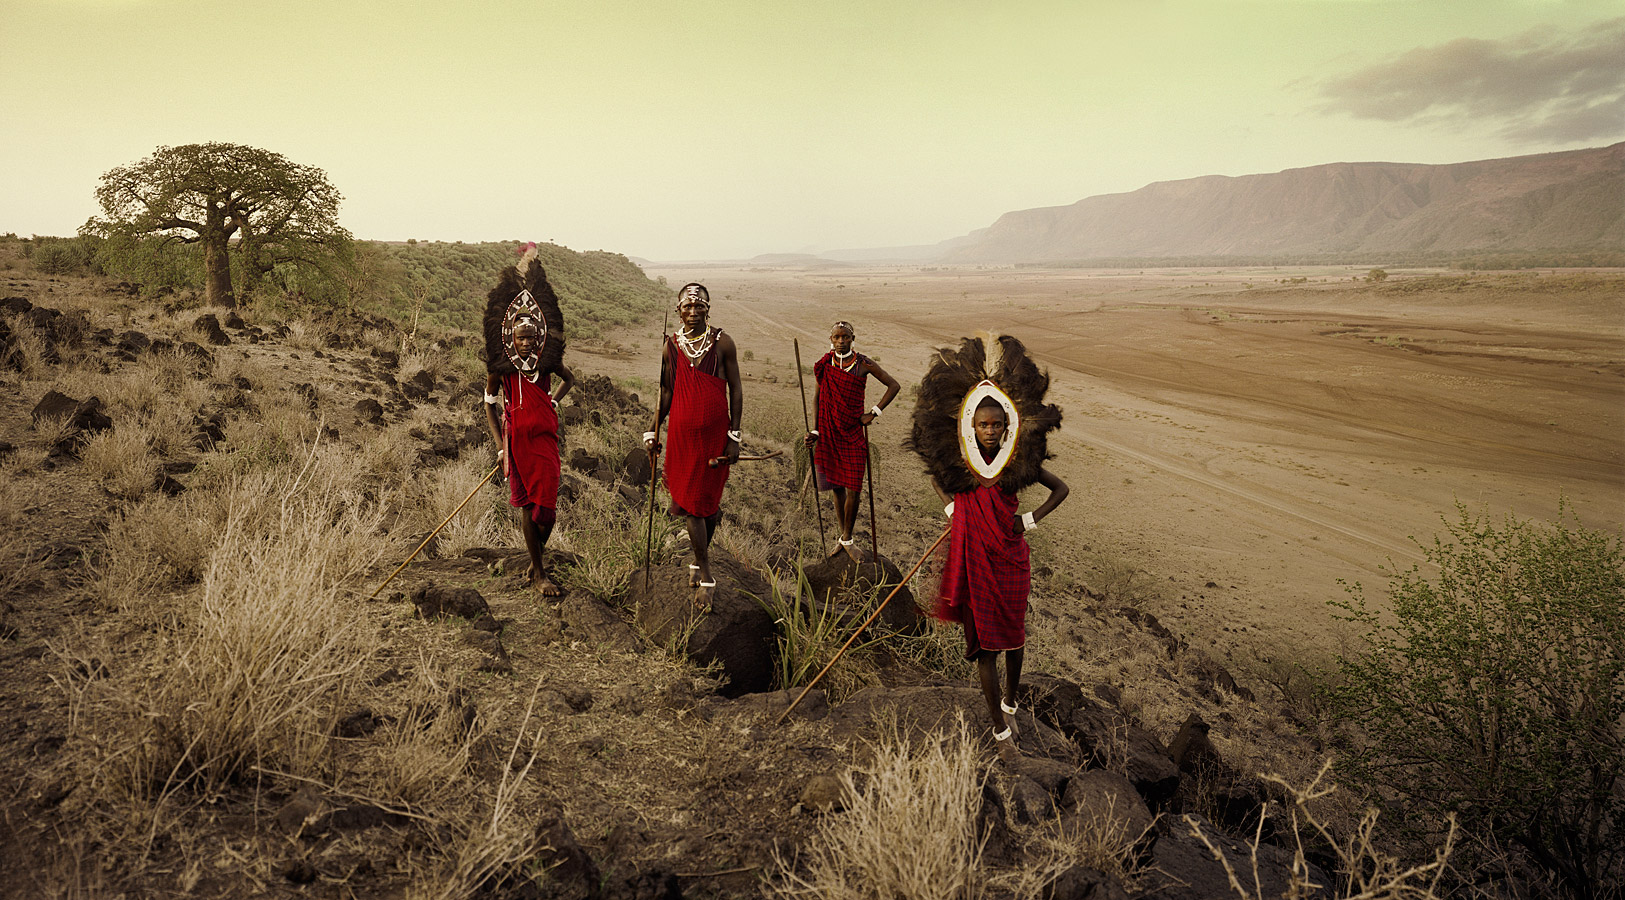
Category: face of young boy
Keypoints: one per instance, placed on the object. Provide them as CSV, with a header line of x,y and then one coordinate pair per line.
x,y
840,340
989,425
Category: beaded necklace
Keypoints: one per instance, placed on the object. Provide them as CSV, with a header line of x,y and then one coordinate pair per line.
x,y
840,360
695,348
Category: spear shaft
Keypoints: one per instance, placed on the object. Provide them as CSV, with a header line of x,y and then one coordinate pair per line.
x,y
654,452
811,466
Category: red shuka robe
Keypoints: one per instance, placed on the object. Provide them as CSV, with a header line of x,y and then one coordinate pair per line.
x,y
530,431
696,432
987,578
842,449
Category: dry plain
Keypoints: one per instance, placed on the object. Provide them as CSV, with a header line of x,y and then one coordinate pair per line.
x,y
1246,442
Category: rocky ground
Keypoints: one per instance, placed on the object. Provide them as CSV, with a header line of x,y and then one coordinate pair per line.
x,y
658,766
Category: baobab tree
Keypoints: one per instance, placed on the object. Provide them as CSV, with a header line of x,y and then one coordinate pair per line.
x,y
233,200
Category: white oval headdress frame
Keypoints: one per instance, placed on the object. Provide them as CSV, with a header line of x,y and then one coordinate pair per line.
x,y
523,307
987,471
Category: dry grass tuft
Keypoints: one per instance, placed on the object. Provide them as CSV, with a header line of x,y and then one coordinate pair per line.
x,y
260,676
910,833
121,459
27,350
157,544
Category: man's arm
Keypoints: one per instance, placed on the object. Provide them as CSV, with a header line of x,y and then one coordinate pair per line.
x,y
892,387
663,406
567,380
736,397
1057,493
493,420
812,438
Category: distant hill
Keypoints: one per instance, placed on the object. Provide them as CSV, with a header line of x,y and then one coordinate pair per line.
x,y
1552,201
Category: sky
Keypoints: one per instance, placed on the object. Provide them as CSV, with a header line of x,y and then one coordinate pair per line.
x,y
721,129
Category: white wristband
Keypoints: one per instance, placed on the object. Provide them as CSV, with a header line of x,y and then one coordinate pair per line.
x,y
1027,521
875,410
814,432
492,399
949,509
648,436
734,436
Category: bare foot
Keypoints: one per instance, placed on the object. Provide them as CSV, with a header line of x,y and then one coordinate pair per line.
x,y
693,575
705,593
548,586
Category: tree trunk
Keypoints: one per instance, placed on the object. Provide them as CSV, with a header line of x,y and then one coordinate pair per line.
x,y
217,272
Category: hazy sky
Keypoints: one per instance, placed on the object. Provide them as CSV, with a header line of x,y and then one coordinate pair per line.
x,y
687,130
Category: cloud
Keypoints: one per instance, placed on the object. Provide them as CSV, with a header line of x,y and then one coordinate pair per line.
x,y
1539,87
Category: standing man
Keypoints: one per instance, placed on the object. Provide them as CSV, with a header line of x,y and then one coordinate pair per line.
x,y
839,441
700,391
524,349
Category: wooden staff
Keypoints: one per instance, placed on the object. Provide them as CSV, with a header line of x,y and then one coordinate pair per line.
x,y
723,460
866,623
437,530
811,466
869,466
654,453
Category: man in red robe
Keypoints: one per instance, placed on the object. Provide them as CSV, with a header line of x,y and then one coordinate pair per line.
x,y
839,442
700,391
987,577
527,435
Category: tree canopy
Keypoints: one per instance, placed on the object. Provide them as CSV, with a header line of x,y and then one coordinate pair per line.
x,y
246,207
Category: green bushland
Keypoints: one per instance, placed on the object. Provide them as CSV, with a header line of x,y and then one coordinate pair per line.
x,y
1494,693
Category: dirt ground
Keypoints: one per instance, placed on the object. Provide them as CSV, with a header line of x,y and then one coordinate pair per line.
x,y
1247,441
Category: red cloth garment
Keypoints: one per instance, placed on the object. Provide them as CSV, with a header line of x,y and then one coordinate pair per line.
x,y
842,449
696,432
530,434
987,578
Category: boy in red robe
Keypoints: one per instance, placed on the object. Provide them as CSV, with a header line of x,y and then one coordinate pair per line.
x,y
840,442
981,426
700,391
524,351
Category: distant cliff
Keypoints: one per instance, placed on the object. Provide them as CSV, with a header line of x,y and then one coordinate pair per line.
x,y
1552,201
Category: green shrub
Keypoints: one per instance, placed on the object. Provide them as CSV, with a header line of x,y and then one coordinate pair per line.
x,y
1496,692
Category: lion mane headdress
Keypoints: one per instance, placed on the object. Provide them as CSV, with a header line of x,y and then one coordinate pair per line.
x,y
522,295
995,366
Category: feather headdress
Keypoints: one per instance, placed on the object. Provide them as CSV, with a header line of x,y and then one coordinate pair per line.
x,y
523,294
989,365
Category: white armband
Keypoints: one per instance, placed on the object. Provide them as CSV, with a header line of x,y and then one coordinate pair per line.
x,y
875,410
949,509
648,437
734,436
1028,522
492,399
814,432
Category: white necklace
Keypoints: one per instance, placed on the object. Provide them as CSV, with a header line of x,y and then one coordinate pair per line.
x,y
841,359
694,348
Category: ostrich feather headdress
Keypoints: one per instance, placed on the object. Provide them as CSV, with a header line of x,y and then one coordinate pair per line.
x,y
523,296
994,366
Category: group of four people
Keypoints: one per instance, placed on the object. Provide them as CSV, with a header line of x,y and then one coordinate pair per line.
x,y
986,579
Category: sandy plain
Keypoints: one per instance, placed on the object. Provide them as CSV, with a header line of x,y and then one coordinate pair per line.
x,y
1247,443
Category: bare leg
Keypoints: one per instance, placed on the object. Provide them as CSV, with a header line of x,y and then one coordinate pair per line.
x,y
535,543
700,532
1012,674
987,672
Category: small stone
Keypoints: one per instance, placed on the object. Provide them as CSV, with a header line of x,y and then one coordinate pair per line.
x,y
824,793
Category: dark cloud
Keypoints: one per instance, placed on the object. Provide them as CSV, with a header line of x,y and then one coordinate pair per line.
x,y
1540,86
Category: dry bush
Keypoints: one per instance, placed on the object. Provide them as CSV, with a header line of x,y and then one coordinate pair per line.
x,y
1105,841
1365,871
1118,582
257,681
910,833
27,349
17,563
53,428
494,847
157,544
423,757
608,538
303,335
437,493
121,460
418,361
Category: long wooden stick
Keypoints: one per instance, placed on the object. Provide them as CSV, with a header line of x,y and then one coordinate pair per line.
x,y
436,530
654,452
869,465
823,539
866,623
747,457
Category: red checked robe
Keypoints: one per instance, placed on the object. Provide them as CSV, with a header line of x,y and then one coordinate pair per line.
x,y
987,578
697,431
530,433
842,449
